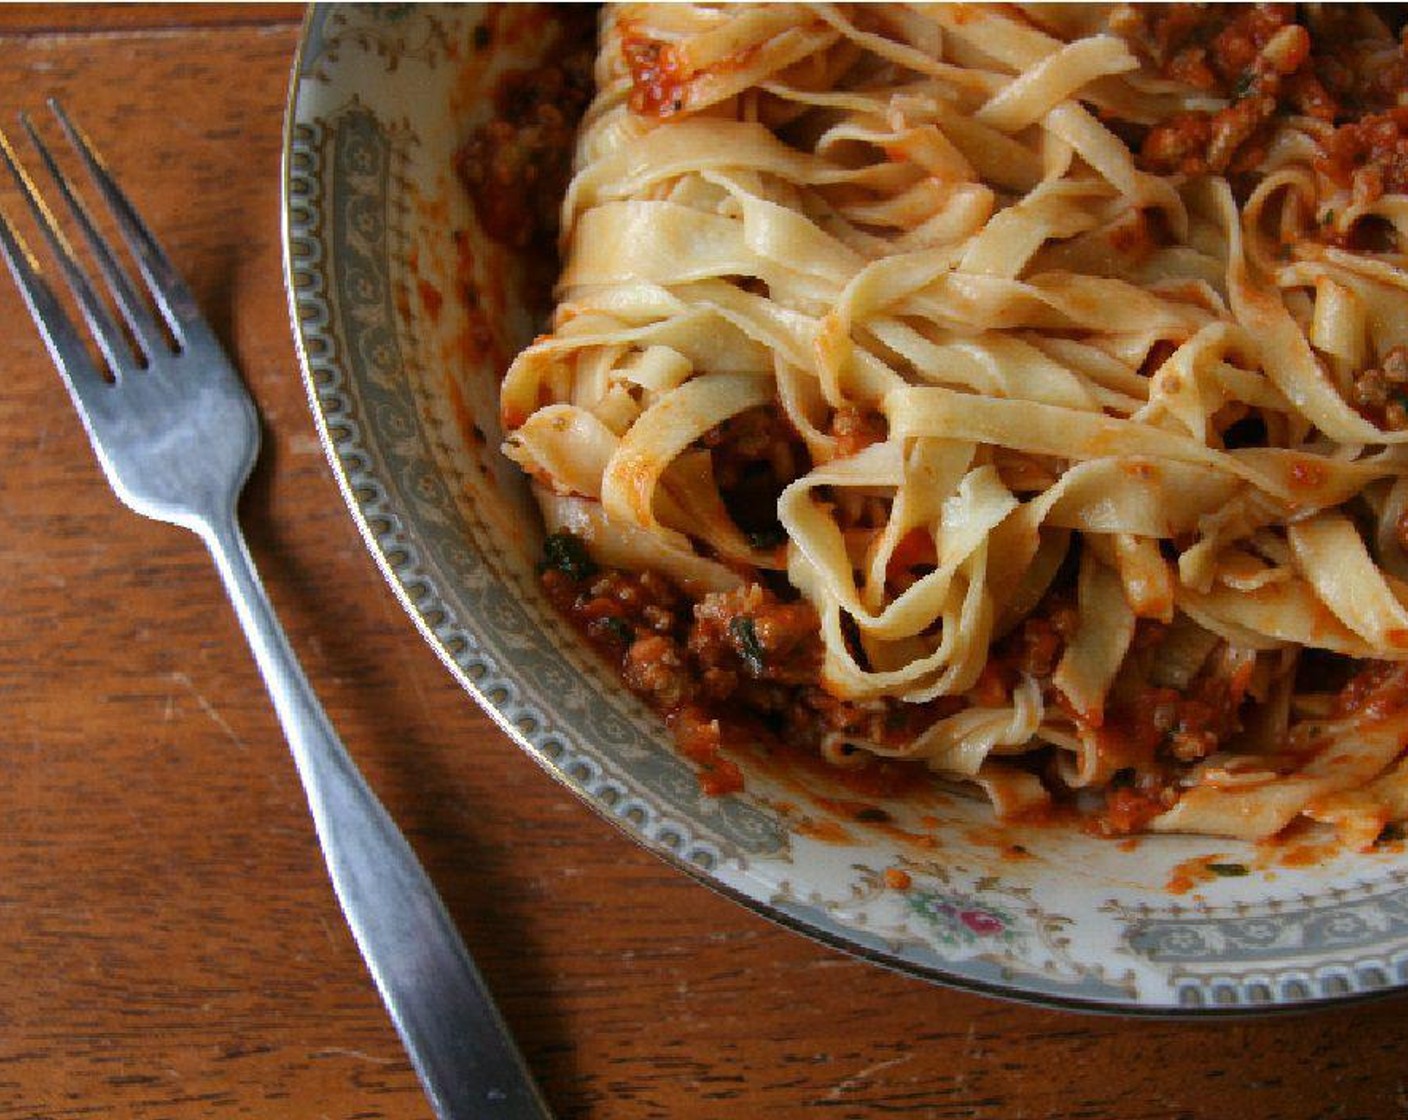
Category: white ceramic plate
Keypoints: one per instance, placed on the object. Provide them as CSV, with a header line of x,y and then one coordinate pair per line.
x,y
403,374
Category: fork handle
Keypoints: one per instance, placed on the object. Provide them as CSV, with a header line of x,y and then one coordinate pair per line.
x,y
458,1042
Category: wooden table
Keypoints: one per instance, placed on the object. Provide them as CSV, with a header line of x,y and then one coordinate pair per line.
x,y
169,944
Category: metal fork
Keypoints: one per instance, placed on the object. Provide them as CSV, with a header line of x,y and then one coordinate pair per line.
x,y
177,433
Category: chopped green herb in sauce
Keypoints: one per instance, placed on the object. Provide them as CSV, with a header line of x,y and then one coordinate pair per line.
x,y
567,554
620,631
745,638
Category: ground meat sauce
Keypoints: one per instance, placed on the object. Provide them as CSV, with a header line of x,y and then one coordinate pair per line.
x,y
1380,393
1259,60
516,166
1265,62
1147,734
1349,61
746,661
754,456
1370,155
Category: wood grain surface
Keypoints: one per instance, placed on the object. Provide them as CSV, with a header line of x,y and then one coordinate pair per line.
x,y
169,944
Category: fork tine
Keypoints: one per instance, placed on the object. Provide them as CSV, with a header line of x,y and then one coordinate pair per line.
x,y
64,342
165,284
139,320
60,335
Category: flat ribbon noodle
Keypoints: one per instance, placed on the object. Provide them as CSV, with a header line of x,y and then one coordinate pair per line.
x,y
1062,432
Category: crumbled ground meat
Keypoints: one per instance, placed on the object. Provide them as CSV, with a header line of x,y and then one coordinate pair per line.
x,y
1041,639
1370,155
1033,649
700,738
815,715
1201,45
655,667
1350,60
1259,58
737,658
517,165
612,606
1179,144
1152,735
752,631
754,456
1130,808
748,659
1380,393
1195,722
1338,64
1332,67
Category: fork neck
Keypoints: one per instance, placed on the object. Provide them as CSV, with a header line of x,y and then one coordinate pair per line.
x,y
288,686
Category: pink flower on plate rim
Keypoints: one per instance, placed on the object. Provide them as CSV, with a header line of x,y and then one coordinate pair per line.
x,y
982,923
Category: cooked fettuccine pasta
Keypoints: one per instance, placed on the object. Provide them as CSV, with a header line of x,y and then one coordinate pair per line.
x,y
1018,392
